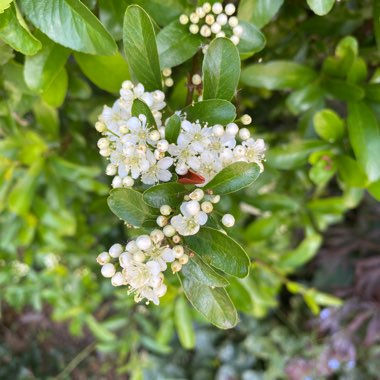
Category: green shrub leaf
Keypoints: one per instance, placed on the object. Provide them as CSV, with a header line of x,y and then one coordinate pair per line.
x,y
321,7
328,125
259,12
251,40
139,107
173,128
171,194
212,111
183,323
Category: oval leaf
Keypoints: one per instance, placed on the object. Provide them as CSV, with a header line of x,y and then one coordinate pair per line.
x,y
251,40
172,128
139,107
183,323
328,125
321,7
171,194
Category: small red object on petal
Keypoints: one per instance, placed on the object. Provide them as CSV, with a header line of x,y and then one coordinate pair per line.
x,y
191,178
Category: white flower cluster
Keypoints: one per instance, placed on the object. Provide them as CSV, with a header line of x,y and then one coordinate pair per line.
x,y
212,20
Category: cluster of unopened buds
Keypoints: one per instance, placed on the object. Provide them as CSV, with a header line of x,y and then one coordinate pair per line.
x,y
214,20
139,152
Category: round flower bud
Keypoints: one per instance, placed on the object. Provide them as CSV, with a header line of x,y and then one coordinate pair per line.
x,y
157,236
117,182
217,8
194,28
176,266
117,279
232,129
194,18
127,85
105,152
215,199
238,30
103,143
165,210
178,251
154,135
166,72
216,28
162,145
246,119
220,34
111,169
200,12
162,221
108,270
116,250
128,181
158,95
100,127
192,207
233,21
235,40
196,79
181,169
207,207
244,133
205,31
169,230
206,7
169,82
183,260
222,19
229,9
183,19
139,256
143,242
228,220
103,258
218,130
210,19
197,195
176,239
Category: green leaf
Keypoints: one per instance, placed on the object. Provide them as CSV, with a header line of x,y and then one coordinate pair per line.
x,y
324,299
329,125
350,172
212,111
343,90
171,194
310,96
364,134
140,47
376,20
234,177
184,323
111,14
176,44
201,272
55,94
95,66
262,228
140,107
128,204
14,31
220,251
4,4
221,70
240,296
213,303
71,24
41,69
173,128
277,75
251,40
275,202
321,7
259,12
374,190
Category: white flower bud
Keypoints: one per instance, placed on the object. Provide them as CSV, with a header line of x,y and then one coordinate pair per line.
x,y
166,72
143,242
162,132
216,28
111,169
197,195
210,19
158,155
169,230
229,9
165,210
105,152
183,19
207,207
157,236
233,21
103,143
103,258
131,247
232,129
192,207
196,79
217,8
206,7
158,95
215,199
205,31
162,221
139,256
181,169
117,279
183,260
194,28
176,239
169,82
154,135
117,182
218,130
176,266
244,133
100,127
222,19
128,181
194,18
228,220
162,146
238,30
220,34
127,85
116,250
235,40
108,270
178,251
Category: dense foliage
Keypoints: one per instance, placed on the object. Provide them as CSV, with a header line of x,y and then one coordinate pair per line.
x,y
309,307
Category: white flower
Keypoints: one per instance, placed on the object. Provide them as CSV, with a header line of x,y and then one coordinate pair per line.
x,y
188,224
161,255
194,135
158,172
255,151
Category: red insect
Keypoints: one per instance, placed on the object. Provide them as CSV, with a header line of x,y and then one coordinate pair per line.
x,y
191,178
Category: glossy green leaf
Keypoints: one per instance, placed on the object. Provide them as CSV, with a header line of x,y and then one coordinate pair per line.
x,y
343,90
262,228
364,134
198,270
275,202
221,70
128,204
259,12
140,47
213,303
374,190
71,24
234,177
55,94
139,107
328,125
220,251
41,69
95,66
321,7
183,323
111,14
4,4
14,31
310,96
176,44
170,193
251,40
324,299
277,75
212,111
172,128
240,295
350,172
